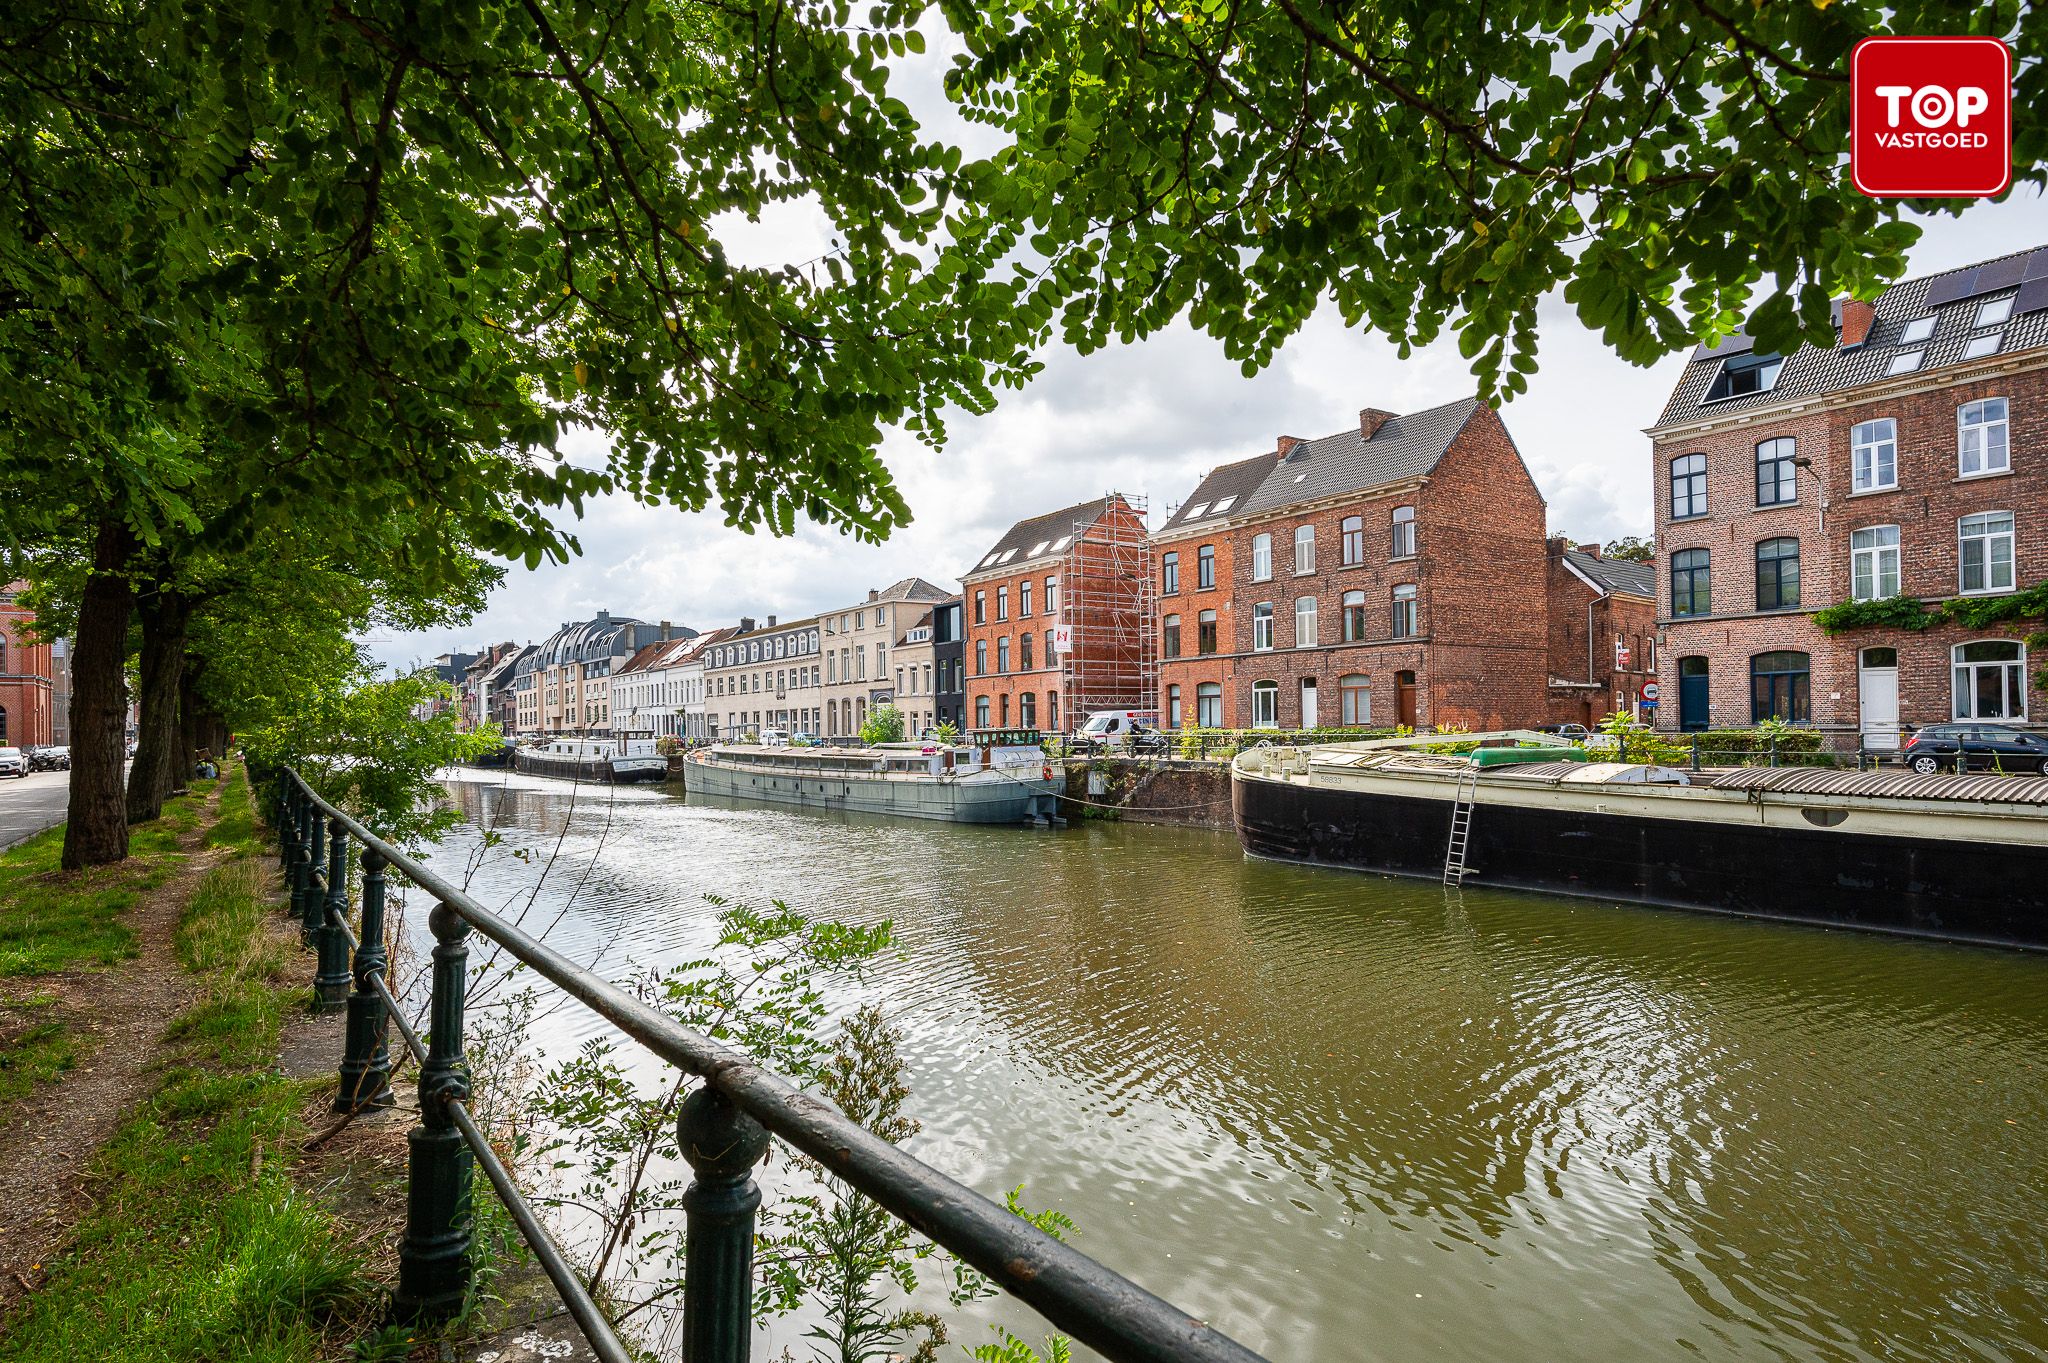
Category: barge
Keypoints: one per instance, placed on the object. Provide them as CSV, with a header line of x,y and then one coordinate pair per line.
x,y
614,760
1962,858
995,777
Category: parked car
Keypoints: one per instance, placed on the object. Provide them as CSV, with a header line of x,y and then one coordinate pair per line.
x,y
1570,733
49,757
1984,747
1107,730
774,738
14,762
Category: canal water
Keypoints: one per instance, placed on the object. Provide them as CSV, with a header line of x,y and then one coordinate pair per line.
x,y
1353,1118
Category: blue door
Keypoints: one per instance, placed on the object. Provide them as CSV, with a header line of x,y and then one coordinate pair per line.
x,y
1692,693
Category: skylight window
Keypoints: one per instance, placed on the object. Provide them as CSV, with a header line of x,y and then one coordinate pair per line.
x,y
1745,375
1917,330
1198,510
1008,554
1223,505
1994,312
1980,346
990,559
1062,542
1905,362
1039,548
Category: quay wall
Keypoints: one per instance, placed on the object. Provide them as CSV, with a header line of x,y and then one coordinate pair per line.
x,y
1143,790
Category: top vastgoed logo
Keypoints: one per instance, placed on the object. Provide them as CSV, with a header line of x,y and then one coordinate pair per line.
x,y
1931,117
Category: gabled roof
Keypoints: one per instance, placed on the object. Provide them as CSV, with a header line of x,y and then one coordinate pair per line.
x,y
1616,574
923,621
1404,447
913,589
497,675
1037,537
645,656
1950,299
1222,490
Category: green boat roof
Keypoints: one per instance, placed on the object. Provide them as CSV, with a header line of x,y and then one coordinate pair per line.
x,y
1508,757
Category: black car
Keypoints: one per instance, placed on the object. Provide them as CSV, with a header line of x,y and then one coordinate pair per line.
x,y
1982,747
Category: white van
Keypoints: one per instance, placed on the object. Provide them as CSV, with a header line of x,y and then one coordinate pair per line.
x,y
1114,726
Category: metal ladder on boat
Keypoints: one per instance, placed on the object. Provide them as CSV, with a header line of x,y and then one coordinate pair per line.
x,y
1462,800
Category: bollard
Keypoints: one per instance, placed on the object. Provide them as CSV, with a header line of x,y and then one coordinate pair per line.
x,y
365,1060
314,904
722,1144
330,984
433,1258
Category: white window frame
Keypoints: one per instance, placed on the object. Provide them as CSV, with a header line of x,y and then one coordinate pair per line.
x,y
1963,691
1991,540
1407,624
1305,622
1867,562
1874,455
1262,627
1401,540
1304,550
1348,695
1976,428
1265,705
1262,557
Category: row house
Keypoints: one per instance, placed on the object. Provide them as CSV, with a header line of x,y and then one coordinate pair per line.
x,y
949,663
573,671
503,688
1907,460
660,688
1392,573
684,673
858,639
27,690
473,690
1603,634
633,690
765,676
1061,604
913,672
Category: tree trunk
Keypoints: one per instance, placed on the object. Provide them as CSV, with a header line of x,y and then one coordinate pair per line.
x,y
191,725
166,616
96,827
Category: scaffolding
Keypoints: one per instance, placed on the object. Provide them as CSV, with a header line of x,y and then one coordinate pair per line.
x,y
1109,605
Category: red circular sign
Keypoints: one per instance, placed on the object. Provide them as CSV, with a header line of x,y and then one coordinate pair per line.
x,y
1650,691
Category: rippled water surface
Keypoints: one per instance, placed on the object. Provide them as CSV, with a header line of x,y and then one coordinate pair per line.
x,y
1344,1117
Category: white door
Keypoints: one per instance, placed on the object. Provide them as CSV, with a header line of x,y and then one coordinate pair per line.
x,y
1308,702
1877,693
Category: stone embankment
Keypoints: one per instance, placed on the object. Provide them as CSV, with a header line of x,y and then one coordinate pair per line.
x,y
1148,790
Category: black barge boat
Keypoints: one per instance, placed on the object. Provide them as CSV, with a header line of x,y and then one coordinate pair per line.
x,y
1961,858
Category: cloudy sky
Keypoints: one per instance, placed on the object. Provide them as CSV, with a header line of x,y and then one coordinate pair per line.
x,y
1145,419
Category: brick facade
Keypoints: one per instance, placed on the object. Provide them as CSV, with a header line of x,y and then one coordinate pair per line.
x,y
1586,686
27,692
1192,669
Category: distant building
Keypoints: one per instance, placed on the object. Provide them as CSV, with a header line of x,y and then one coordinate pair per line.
x,y
473,698
503,691
27,687
764,676
949,663
684,678
914,671
1907,460
1080,576
858,639
574,668
60,692
1603,633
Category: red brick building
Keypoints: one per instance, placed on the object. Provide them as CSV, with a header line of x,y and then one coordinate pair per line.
x,y
1603,632
1393,573
1082,575
1909,459
27,692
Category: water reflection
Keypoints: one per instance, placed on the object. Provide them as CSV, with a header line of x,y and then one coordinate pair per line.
x,y
1352,1118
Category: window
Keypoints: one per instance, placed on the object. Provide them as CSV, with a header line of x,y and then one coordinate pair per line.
x,y
1002,603
1305,622
1404,611
1744,375
1780,687
1265,705
1050,656
1262,626
1262,558
1002,655
1905,362
1688,486
1777,574
1874,563
1052,701
1024,652
1977,347
981,657
1404,532
981,608
1024,598
1209,705
1353,540
1169,577
1027,710
1986,551
1169,643
1981,437
1874,455
1691,590
1993,312
1354,617
1990,680
1354,691
1205,567
1003,709
1916,331
1052,604
1776,478
1304,549
981,712
1173,707
1205,632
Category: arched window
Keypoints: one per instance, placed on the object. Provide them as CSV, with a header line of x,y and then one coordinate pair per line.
x,y
1353,540
1205,632
1262,626
1404,532
1984,549
1304,622
1776,478
1209,705
1170,638
1027,710
1265,705
1990,679
1355,691
1354,617
1406,624
1688,486
1777,574
1024,652
1691,588
1304,548
1780,687
1262,557
1205,567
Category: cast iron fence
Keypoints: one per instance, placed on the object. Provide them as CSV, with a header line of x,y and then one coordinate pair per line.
x,y
722,1131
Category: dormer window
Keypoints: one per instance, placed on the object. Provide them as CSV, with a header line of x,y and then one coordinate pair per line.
x,y
1917,331
1745,375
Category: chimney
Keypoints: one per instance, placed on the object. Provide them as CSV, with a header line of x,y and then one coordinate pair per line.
x,y
746,624
1593,549
1370,419
873,594
1285,446
1857,317
771,622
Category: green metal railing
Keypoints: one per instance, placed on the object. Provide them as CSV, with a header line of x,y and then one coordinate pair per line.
x,y
723,1131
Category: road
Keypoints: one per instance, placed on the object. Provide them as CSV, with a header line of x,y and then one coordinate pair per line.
x,y
30,805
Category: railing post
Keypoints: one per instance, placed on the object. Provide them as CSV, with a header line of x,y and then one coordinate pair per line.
x,y
433,1258
287,823
365,1059
313,905
1695,752
302,858
722,1144
330,984
1774,750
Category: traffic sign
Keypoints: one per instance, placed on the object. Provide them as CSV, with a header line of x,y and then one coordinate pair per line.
x,y
1650,693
